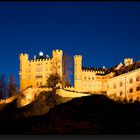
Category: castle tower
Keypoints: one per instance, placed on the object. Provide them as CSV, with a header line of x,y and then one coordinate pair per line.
x,y
57,61
23,68
77,72
128,61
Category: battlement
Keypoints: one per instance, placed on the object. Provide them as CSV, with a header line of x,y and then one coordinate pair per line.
x,y
57,50
128,61
75,56
88,71
23,54
38,60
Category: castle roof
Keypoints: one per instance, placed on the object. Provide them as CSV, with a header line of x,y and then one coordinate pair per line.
x,y
125,69
122,70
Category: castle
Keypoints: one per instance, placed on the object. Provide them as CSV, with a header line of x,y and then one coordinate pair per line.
x,y
122,80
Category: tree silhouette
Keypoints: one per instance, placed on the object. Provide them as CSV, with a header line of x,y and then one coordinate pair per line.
x,y
66,69
2,86
53,80
12,87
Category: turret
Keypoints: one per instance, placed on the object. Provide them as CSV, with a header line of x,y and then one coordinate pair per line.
x,y
57,61
23,67
128,61
77,72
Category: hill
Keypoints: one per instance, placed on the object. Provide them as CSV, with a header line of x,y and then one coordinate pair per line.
x,y
94,114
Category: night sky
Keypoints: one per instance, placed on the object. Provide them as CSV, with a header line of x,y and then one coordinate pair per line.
x,y
103,33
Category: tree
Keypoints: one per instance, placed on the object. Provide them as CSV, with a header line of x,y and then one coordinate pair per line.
x,y
12,87
2,86
53,80
66,69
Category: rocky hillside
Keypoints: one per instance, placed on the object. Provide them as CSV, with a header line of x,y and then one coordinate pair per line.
x,y
95,114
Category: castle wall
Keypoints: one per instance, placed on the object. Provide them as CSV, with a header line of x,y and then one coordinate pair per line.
x,y
123,90
70,94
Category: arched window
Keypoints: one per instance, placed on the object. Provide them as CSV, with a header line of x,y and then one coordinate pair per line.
x,y
37,83
130,81
138,88
138,78
130,90
121,84
130,100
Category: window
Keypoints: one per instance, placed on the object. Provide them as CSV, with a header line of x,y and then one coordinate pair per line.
x,y
130,100
38,76
121,84
85,77
92,78
138,88
137,99
88,78
114,86
130,90
120,93
40,83
37,83
130,81
138,78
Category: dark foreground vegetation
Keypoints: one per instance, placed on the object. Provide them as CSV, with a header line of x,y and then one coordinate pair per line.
x,y
95,114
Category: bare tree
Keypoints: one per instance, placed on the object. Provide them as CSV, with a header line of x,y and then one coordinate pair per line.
x,y
12,87
2,86
66,69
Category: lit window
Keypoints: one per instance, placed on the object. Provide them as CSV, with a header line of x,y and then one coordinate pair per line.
x,y
138,88
131,81
121,84
138,78
131,90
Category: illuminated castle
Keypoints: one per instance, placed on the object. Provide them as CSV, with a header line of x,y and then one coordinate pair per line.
x,y
122,80
35,72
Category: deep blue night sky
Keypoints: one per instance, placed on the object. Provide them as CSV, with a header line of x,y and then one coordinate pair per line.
x,y
104,33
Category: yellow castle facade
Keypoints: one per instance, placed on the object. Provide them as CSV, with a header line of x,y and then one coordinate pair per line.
x,y
122,80
35,72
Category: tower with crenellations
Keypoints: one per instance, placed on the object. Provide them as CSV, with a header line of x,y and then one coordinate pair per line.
x,y
36,71
77,72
